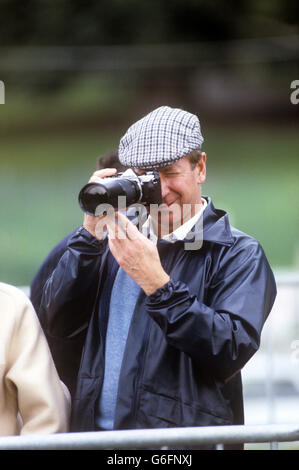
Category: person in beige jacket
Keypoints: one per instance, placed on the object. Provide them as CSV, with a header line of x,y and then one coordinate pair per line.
x,y
33,400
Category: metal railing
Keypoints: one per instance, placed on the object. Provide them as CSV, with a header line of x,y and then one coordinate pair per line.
x,y
155,438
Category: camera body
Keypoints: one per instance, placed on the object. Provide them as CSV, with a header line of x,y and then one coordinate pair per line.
x,y
143,189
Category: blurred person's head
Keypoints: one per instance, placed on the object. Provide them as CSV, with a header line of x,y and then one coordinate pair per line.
x,y
110,160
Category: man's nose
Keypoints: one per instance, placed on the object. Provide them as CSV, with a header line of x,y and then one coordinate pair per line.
x,y
164,185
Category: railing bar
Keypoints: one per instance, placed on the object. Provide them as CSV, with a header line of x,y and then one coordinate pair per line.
x,y
154,438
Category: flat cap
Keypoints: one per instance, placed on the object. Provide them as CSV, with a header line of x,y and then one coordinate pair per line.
x,y
161,138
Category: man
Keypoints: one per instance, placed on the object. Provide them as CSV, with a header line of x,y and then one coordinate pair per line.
x,y
168,329
32,398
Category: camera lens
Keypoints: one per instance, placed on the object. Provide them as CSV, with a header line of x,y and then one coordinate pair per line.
x,y
94,194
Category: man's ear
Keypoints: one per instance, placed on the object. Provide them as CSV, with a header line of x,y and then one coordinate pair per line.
x,y
201,168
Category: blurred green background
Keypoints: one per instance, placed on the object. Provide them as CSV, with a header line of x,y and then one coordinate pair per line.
x,y
77,74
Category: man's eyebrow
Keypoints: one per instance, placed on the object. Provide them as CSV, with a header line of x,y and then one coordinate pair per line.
x,y
169,170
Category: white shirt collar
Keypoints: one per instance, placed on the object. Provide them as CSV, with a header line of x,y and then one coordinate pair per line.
x,y
178,234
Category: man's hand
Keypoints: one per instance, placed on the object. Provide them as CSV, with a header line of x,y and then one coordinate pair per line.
x,y
92,223
137,255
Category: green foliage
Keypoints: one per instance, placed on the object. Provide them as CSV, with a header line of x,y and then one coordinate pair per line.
x,y
89,22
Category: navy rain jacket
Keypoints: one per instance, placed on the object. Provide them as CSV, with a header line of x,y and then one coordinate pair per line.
x,y
187,341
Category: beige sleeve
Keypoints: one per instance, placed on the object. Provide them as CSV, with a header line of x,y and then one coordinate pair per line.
x,y
43,401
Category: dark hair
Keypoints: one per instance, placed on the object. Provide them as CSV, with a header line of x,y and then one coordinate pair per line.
x,y
110,160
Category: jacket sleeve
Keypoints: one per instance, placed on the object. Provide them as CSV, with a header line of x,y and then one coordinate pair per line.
x,y
223,334
70,291
45,270
42,399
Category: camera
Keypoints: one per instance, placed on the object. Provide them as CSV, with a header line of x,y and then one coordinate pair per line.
x,y
144,189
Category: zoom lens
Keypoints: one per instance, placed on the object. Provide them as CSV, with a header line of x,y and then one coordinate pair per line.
x,y
107,192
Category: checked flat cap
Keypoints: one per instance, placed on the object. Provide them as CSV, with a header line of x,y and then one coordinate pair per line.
x,y
161,138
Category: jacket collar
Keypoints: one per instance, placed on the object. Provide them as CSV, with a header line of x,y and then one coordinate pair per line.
x,y
214,228
216,225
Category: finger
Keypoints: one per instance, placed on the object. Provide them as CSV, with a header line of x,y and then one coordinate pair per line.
x,y
104,173
126,225
110,224
116,231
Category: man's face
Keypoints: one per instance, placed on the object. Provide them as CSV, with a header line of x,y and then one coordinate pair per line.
x,y
181,193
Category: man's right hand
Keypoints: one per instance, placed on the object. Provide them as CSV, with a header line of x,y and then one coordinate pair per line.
x,y
91,223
